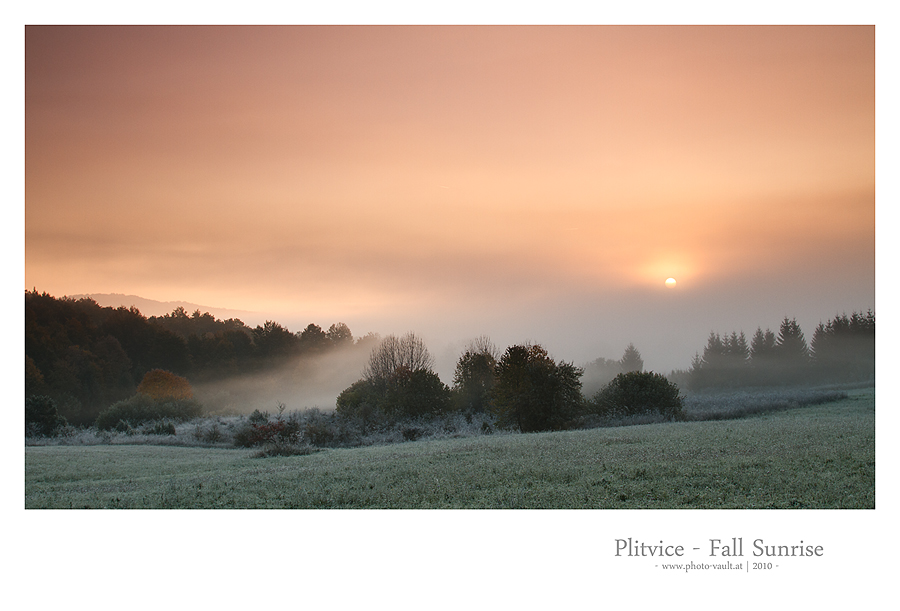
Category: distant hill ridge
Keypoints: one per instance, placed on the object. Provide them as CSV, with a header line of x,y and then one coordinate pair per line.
x,y
151,307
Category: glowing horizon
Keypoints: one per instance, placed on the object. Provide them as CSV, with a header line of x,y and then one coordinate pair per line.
x,y
465,179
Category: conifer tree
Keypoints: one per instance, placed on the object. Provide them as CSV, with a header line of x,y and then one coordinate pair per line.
x,y
631,360
791,344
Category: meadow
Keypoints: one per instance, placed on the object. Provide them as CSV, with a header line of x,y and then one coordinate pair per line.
x,y
813,456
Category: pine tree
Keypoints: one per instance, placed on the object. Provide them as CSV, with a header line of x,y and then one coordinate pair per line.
x,y
791,353
791,345
631,360
843,349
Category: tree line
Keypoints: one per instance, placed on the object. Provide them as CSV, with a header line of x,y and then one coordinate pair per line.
x,y
525,389
522,388
841,350
86,357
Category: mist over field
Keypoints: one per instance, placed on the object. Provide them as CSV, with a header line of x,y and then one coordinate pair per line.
x,y
668,329
307,382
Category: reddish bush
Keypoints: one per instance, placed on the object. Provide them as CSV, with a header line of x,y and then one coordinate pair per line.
x,y
263,431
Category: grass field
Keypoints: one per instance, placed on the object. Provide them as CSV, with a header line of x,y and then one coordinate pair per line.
x,y
820,456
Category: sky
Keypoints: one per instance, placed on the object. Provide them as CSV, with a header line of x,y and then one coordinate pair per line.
x,y
525,183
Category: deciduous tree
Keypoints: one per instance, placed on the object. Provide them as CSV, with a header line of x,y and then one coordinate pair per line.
x,y
394,352
339,335
473,379
313,340
274,341
534,393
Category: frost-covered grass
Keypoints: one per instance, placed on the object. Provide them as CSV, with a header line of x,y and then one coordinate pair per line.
x,y
318,428
817,456
324,429
730,405
215,431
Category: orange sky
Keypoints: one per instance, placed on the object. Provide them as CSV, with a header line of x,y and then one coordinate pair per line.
x,y
525,182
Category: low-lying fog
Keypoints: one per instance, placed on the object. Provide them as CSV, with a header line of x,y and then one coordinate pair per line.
x,y
306,382
315,381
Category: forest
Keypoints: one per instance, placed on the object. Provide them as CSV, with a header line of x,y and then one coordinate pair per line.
x,y
85,358
841,350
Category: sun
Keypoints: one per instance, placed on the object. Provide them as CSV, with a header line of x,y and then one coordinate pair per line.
x,y
670,283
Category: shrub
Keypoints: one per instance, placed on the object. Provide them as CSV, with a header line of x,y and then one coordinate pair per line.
x,y
252,435
279,448
360,399
244,436
123,427
42,418
320,429
160,427
210,434
142,408
161,384
636,392
258,417
411,433
259,430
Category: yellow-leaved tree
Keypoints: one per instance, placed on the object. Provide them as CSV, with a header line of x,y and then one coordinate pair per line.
x,y
161,384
